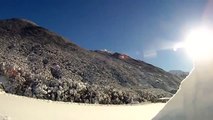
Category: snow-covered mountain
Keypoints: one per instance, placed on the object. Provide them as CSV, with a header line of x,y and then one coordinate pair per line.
x,y
179,73
41,64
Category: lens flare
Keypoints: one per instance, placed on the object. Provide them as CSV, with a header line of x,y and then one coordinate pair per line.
x,y
198,43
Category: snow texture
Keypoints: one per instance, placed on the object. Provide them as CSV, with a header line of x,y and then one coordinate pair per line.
x,y
13,107
194,99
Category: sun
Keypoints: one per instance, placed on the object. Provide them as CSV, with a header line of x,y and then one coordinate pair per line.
x,y
198,43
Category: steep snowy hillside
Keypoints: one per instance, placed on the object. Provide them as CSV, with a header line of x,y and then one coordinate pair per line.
x,y
41,64
179,73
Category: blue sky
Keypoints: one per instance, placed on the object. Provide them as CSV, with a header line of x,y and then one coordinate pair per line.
x,y
143,29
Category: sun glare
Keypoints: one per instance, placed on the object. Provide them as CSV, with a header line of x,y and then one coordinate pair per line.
x,y
198,43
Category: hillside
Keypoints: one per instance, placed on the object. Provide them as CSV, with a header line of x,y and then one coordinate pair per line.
x,y
181,74
36,62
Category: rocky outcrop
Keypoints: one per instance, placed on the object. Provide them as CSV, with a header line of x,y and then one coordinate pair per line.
x,y
41,64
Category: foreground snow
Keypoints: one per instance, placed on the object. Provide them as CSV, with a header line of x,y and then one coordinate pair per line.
x,y
14,107
194,99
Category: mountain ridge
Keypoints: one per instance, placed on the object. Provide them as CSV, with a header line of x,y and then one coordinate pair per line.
x,y
181,74
41,64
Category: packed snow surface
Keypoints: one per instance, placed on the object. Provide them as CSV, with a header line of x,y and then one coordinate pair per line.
x,y
13,107
194,99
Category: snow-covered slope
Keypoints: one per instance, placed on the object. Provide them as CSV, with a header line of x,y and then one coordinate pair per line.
x,y
181,74
193,101
41,64
14,107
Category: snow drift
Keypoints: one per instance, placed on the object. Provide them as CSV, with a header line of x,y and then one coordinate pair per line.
x,y
14,107
193,101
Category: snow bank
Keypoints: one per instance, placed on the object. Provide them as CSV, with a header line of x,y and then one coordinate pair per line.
x,y
194,99
14,107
